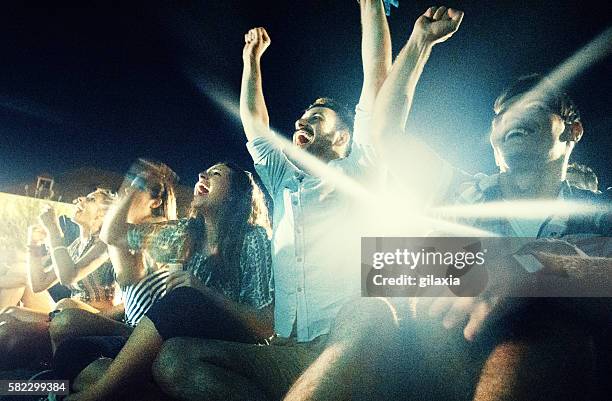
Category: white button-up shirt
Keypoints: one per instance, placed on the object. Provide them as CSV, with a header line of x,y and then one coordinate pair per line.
x,y
315,242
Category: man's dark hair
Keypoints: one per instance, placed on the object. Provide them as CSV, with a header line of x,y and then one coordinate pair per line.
x,y
344,114
559,102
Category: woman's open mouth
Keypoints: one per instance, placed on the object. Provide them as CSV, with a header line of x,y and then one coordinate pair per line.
x,y
201,189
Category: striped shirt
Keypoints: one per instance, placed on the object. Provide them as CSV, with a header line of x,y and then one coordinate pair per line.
x,y
159,244
138,298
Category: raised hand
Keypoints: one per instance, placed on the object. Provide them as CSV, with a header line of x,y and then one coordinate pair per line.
x,y
256,41
438,24
48,218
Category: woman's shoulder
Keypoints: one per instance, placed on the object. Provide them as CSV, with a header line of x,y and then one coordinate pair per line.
x,y
256,234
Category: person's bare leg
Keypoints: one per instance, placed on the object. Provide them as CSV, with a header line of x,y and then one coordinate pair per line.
x,y
90,375
10,296
23,343
24,314
131,366
362,332
69,303
38,301
556,367
72,323
196,369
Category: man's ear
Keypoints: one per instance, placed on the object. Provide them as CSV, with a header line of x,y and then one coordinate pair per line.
x,y
342,138
573,132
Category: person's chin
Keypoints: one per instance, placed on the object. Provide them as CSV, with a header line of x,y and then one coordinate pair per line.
x,y
521,160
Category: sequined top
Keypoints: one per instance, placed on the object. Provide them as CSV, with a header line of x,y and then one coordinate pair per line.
x,y
98,286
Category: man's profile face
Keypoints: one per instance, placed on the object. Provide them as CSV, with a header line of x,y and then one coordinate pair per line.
x,y
527,133
316,132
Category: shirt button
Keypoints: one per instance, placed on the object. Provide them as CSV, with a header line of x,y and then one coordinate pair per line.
x,y
299,289
298,230
295,202
299,260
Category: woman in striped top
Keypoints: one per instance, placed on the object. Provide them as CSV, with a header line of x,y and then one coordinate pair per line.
x,y
138,270
83,266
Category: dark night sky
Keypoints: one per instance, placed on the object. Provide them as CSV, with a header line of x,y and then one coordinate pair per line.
x,y
103,83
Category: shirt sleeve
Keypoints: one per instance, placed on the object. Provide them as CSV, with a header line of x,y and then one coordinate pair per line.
x,y
271,164
362,127
362,162
136,236
257,287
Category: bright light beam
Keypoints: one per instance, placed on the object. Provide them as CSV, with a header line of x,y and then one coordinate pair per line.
x,y
589,55
521,209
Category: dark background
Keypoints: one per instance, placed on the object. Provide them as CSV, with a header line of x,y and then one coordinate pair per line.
x,y
103,83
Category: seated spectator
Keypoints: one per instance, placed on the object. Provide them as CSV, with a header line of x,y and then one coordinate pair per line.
x,y
222,290
14,290
83,266
135,266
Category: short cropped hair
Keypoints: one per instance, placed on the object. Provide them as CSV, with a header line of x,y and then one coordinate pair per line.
x,y
347,118
552,95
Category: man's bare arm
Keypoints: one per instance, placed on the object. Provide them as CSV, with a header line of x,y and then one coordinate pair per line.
x,y
375,50
253,110
394,100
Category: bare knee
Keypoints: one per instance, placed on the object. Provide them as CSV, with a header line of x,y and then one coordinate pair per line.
x,y
91,374
66,303
365,318
64,325
183,362
8,311
558,367
172,363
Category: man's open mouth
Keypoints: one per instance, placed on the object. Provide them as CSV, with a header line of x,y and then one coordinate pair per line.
x,y
515,133
303,137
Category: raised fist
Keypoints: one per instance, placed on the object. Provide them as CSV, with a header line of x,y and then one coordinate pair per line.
x,y
438,24
256,41
48,217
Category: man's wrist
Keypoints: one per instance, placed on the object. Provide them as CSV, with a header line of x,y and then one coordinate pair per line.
x,y
420,41
55,239
53,230
251,62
